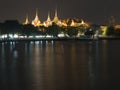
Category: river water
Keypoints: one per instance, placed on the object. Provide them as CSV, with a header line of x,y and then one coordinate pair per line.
x,y
60,65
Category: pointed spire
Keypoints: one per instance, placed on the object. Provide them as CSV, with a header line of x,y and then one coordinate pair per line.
x,y
36,21
36,16
48,22
48,19
72,23
56,19
82,21
26,20
56,13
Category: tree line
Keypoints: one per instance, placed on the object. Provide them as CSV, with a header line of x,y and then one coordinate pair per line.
x,y
14,27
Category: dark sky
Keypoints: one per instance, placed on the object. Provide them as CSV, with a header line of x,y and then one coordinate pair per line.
x,y
96,11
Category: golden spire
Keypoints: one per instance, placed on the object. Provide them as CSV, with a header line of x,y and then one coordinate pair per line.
x,y
48,19
82,22
48,22
56,7
72,23
56,19
26,20
36,21
36,16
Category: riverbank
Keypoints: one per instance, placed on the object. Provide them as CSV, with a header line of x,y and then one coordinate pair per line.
x,y
58,39
109,38
43,39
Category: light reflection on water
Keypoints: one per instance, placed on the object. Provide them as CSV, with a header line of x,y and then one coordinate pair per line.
x,y
58,65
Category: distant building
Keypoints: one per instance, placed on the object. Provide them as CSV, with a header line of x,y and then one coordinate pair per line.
x,y
76,24
36,21
48,22
26,21
56,20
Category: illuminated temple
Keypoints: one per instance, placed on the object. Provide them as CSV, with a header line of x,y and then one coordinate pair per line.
x,y
36,22
26,21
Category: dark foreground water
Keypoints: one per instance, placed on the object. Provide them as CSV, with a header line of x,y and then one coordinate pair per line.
x,y
60,65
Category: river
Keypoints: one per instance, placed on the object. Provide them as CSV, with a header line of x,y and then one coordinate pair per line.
x,y
60,65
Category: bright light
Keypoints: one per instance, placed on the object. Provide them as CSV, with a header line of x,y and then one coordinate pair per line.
x,y
10,35
38,36
16,36
4,36
82,22
21,36
49,36
30,36
72,23
61,35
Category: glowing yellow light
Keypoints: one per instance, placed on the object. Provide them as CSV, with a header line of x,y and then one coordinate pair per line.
x,y
36,21
104,29
82,22
72,23
26,20
48,22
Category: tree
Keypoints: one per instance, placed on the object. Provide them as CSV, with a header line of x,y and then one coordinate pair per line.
x,y
72,31
28,30
110,31
89,32
53,30
11,27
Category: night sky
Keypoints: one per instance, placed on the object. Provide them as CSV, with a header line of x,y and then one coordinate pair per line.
x,y
96,11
